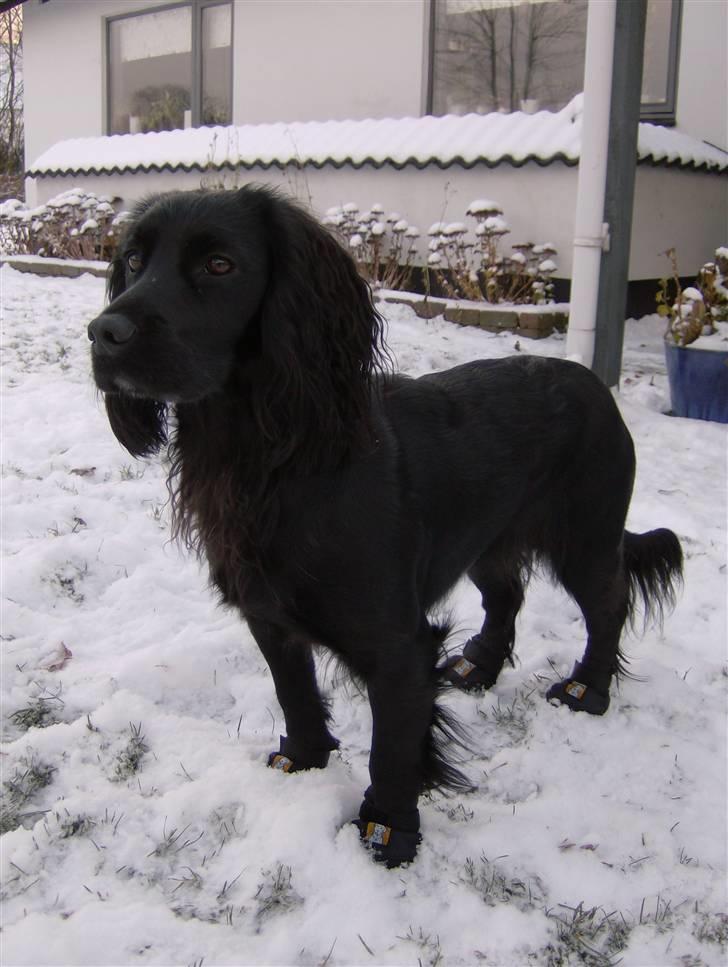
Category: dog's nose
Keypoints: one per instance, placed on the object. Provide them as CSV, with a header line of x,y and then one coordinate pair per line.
x,y
110,333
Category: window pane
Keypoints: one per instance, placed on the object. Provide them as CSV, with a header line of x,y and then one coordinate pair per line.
x,y
507,55
657,52
216,64
150,71
510,55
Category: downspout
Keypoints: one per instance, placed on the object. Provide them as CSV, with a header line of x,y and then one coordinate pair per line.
x,y
591,234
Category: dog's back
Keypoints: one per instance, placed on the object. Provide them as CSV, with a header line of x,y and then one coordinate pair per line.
x,y
525,450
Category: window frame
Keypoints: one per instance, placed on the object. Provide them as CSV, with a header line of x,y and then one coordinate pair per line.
x,y
655,112
196,7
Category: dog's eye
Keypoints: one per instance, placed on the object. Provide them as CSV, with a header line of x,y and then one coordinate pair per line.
x,y
218,265
134,261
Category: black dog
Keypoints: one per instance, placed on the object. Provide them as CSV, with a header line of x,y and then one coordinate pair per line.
x,y
337,504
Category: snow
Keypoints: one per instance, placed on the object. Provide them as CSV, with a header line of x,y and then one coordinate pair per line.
x,y
454,228
495,225
204,854
714,341
544,136
484,206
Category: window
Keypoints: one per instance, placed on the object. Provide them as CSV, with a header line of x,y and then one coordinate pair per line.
x,y
528,55
659,70
170,68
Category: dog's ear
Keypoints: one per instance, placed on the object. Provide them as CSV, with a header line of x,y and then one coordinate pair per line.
x,y
321,340
139,425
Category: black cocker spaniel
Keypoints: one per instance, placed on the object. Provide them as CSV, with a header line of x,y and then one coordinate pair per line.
x,y
337,503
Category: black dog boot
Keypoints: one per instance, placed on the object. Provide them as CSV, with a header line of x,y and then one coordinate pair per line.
x,y
578,694
477,667
393,838
289,759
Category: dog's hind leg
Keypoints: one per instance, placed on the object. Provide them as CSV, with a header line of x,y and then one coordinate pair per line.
x,y
307,742
599,584
483,656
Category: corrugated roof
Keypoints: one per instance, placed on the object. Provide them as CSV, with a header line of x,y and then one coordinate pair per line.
x,y
468,140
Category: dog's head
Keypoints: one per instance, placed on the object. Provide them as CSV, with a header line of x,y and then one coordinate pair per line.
x,y
186,281
212,291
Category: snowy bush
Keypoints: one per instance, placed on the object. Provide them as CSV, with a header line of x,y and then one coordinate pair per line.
x,y
467,269
76,224
383,248
694,311
463,267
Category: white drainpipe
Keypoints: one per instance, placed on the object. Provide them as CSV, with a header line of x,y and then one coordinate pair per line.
x,y
591,234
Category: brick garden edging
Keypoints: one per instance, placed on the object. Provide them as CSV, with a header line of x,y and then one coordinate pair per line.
x,y
68,268
531,322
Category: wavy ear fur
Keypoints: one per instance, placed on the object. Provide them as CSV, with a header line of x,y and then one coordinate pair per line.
x,y
139,425
321,344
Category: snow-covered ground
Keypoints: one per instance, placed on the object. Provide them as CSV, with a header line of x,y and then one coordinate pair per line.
x,y
142,824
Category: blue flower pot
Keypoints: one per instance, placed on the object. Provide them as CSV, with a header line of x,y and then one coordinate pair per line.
x,y
698,382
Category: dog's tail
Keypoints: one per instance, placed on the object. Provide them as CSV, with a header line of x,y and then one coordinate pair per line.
x,y
654,566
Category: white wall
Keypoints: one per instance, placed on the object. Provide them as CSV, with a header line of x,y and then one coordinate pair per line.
x,y
329,59
702,98
538,202
64,75
684,210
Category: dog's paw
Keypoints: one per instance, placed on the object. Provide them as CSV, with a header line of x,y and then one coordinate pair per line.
x,y
290,759
394,847
465,675
578,697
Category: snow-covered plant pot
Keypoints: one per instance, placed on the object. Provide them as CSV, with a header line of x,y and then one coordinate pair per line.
x,y
696,340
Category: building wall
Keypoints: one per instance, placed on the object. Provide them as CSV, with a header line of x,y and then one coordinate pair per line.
x,y
329,59
684,210
319,59
702,90
64,69
294,60
538,202
301,60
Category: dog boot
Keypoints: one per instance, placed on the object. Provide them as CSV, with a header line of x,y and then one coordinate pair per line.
x,y
289,759
392,838
579,696
476,668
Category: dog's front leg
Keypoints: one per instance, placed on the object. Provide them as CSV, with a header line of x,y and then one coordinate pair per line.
x,y
307,742
401,695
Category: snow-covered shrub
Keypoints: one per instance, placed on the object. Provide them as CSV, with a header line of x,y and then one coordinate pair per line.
x,y
461,266
468,269
76,224
694,311
384,248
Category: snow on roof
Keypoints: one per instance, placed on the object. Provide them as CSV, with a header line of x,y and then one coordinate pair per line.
x,y
466,140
